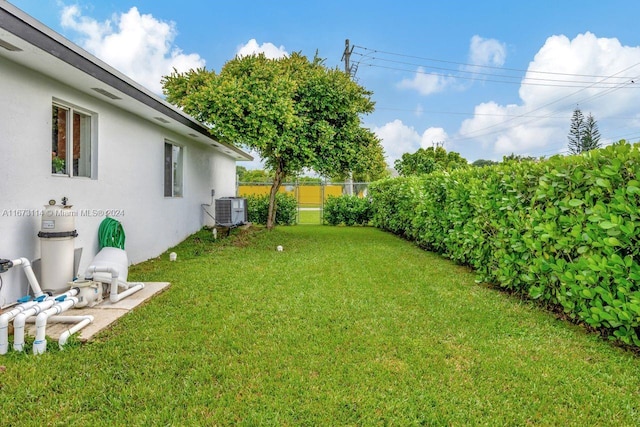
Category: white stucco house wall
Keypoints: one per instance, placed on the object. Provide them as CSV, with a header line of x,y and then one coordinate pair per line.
x,y
72,126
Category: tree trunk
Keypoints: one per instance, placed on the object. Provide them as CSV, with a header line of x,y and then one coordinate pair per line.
x,y
277,180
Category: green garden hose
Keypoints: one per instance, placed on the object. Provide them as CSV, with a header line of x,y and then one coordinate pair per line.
x,y
111,234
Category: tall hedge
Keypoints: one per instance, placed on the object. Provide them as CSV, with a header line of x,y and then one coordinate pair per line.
x,y
565,231
258,209
348,210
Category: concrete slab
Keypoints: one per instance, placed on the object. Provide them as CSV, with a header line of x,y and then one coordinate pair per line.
x,y
104,314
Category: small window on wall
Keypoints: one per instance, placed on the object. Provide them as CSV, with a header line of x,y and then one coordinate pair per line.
x,y
70,142
173,155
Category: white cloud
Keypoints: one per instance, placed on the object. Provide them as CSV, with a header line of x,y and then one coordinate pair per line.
x,y
138,45
426,83
539,124
485,52
432,136
482,52
270,50
397,139
587,55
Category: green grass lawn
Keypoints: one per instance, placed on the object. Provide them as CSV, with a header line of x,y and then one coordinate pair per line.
x,y
306,217
346,326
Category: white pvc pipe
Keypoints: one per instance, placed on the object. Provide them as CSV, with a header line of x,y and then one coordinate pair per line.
x,y
58,319
40,344
118,296
114,296
7,317
62,319
21,318
28,271
82,322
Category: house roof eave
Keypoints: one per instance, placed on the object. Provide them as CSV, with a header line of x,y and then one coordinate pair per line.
x,y
42,49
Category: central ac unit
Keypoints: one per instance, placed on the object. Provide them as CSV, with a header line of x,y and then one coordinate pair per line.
x,y
231,211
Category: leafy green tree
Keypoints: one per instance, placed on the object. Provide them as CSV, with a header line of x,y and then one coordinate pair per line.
x,y
296,113
370,166
252,175
482,162
305,179
255,175
240,171
583,135
428,160
517,158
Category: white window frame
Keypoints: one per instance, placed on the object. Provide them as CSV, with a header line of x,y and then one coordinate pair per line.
x,y
173,157
86,162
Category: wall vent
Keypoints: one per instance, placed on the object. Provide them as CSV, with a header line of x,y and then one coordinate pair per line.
x,y
9,46
105,93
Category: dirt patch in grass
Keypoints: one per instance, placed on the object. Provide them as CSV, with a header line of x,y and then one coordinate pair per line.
x,y
243,236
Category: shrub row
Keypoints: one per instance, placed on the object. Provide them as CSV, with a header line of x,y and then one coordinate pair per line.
x,y
347,210
565,231
258,209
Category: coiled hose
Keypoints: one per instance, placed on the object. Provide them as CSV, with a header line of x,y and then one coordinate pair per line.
x,y
111,234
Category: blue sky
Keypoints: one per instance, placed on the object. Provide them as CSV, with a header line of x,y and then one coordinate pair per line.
x,y
485,78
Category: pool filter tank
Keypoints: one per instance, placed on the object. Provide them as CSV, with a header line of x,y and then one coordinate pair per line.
x,y
56,234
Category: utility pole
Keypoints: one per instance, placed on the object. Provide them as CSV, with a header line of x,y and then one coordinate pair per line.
x,y
347,69
346,56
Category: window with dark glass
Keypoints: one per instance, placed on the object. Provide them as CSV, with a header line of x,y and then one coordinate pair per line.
x,y
173,155
70,142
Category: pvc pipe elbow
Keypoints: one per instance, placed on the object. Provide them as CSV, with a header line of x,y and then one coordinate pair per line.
x,y
64,337
31,278
94,269
18,331
41,318
40,343
20,320
114,297
5,318
20,261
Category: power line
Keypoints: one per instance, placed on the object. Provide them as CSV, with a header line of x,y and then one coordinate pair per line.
x,y
373,51
454,113
562,116
525,80
544,106
608,84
